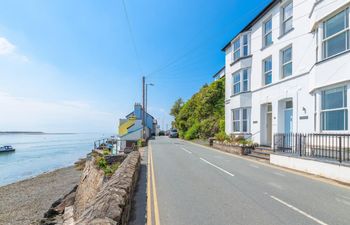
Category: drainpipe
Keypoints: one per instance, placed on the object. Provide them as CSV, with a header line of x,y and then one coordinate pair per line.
x,y
297,111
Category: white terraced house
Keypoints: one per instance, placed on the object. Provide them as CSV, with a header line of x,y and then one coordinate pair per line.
x,y
288,71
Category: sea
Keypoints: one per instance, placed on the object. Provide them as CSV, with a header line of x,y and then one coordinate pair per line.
x,y
40,153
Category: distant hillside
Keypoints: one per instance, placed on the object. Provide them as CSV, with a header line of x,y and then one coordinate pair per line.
x,y
21,132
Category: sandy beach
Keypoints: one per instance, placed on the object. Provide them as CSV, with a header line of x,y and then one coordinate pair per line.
x,y
26,201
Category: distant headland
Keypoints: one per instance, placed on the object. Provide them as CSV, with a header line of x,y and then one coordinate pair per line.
x,y
29,132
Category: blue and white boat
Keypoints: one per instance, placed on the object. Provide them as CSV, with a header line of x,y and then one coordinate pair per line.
x,y
7,148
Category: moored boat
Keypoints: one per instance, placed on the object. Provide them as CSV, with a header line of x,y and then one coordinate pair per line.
x,y
7,148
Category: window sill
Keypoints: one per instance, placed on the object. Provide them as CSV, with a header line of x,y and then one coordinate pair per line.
x,y
244,57
333,57
265,47
243,92
284,34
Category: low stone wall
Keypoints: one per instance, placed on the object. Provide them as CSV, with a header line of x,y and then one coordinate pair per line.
x,y
231,148
99,199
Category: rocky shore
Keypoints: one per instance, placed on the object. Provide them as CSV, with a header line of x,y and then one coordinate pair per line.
x,y
25,202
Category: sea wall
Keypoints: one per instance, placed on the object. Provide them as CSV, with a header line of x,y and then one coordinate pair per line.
x,y
99,199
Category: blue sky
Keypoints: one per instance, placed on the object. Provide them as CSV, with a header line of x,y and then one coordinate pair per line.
x,y
70,65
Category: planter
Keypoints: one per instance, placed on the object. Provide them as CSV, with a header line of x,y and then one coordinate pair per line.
x,y
232,148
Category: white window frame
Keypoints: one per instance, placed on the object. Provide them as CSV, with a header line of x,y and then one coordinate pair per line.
x,y
346,30
266,72
237,74
238,50
241,81
285,20
240,121
283,64
344,108
236,120
265,34
242,45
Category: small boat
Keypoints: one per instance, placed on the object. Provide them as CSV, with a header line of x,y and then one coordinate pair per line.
x,y
7,148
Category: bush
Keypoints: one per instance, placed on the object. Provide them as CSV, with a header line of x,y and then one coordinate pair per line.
x,y
192,133
107,169
222,136
106,152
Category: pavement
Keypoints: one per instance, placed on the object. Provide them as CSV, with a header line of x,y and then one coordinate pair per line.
x,y
190,184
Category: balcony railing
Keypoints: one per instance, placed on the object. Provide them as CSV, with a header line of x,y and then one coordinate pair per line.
x,y
323,146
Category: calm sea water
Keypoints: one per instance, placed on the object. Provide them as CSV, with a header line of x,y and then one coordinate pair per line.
x,y
36,154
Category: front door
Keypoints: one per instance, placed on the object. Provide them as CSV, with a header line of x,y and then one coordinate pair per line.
x,y
269,125
288,123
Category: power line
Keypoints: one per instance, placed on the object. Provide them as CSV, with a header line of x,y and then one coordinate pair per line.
x,y
132,36
190,51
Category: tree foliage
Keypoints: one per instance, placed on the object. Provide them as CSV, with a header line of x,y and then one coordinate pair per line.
x,y
203,115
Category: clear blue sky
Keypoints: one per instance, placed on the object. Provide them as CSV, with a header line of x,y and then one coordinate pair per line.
x,y
69,65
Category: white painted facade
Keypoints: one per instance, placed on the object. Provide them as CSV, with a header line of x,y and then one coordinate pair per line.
x,y
306,99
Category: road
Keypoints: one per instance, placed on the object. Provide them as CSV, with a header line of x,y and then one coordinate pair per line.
x,y
190,185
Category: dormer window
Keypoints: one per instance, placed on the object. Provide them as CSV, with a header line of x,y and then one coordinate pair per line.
x,y
241,47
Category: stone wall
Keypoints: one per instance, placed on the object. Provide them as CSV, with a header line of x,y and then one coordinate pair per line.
x,y
231,148
112,204
99,199
91,182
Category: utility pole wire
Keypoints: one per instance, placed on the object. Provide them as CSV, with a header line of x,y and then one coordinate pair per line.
x,y
138,59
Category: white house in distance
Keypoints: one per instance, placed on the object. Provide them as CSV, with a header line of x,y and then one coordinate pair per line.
x,y
288,71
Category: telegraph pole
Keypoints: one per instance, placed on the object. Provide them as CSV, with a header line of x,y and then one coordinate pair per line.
x,y
143,108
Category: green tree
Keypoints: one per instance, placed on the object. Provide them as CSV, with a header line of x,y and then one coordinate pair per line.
x,y
176,107
203,115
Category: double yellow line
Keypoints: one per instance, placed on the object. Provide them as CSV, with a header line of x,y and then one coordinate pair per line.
x,y
151,191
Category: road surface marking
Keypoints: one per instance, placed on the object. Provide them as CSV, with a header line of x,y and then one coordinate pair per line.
x,y
149,208
279,174
342,201
255,166
299,211
290,171
155,198
186,151
217,167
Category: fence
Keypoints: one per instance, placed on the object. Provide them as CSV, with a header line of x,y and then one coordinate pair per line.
x,y
326,146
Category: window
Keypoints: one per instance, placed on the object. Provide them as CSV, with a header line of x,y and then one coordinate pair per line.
x,y
236,83
236,50
336,34
241,81
287,18
245,120
267,67
241,118
245,45
245,80
267,35
334,112
241,47
287,64
236,120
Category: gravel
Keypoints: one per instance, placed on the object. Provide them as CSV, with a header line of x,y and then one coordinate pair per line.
x,y
26,201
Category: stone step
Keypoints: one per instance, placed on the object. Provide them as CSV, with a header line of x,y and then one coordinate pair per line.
x,y
264,149
259,156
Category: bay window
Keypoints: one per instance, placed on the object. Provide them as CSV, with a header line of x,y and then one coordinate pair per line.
x,y
240,120
241,47
287,18
241,81
267,68
334,111
336,34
